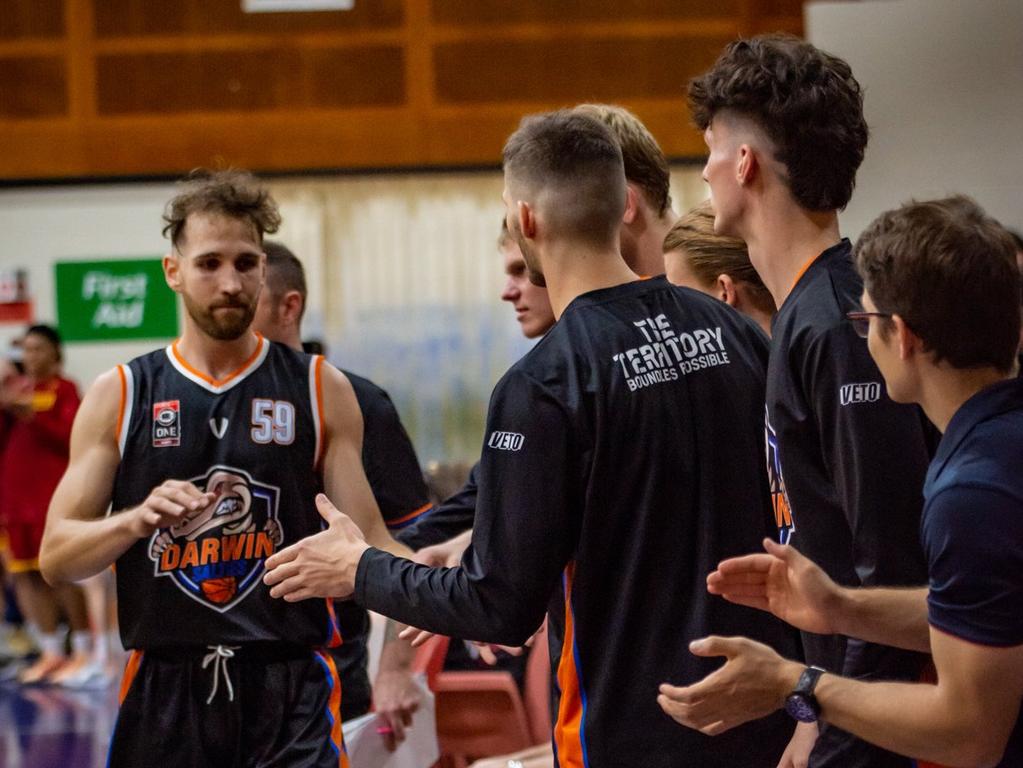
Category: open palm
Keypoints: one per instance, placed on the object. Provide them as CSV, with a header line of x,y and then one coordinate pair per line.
x,y
782,582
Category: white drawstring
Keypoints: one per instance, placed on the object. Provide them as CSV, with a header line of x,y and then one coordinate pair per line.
x,y
219,655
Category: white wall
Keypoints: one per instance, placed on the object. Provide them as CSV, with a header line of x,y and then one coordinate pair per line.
x,y
944,99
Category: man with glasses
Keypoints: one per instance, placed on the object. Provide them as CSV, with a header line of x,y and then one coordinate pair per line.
x,y
784,125
942,321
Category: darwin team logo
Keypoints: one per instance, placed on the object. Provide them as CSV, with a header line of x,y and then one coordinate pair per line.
x,y
216,556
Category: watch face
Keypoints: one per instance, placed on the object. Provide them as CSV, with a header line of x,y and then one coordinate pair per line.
x,y
799,707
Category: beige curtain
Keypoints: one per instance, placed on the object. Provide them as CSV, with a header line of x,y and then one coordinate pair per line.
x,y
405,283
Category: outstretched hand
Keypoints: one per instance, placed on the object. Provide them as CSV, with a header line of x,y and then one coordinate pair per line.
x,y
753,683
487,651
782,582
322,565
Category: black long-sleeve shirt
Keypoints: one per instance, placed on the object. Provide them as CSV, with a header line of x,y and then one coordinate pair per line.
x,y
624,458
853,464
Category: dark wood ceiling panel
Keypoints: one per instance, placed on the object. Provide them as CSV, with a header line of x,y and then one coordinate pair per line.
x,y
31,18
94,88
33,87
251,80
571,70
780,8
531,11
124,18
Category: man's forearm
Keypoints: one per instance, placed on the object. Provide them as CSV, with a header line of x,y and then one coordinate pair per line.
x,y
396,654
895,617
447,600
73,550
381,538
910,719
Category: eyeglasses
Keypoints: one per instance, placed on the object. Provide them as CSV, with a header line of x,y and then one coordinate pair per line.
x,y
861,321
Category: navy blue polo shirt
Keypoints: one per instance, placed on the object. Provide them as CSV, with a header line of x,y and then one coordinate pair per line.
x,y
972,527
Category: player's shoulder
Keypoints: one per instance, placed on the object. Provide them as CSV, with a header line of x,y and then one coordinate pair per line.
x,y
817,306
374,402
282,354
106,397
365,389
149,361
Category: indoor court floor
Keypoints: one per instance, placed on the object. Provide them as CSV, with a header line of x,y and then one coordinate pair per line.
x,y
50,727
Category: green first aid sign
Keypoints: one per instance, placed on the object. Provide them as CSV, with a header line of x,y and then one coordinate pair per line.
x,y
114,300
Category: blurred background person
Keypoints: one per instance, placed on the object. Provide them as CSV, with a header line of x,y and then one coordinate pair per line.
x,y
36,413
648,213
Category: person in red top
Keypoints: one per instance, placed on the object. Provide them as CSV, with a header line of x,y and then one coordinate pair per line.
x,y
36,413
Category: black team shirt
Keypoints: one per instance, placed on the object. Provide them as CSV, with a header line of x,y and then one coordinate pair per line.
x,y
623,459
853,464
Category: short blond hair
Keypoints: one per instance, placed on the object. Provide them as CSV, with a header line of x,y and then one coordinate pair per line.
x,y
645,163
710,254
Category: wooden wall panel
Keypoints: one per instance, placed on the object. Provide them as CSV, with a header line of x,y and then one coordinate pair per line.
x,y
98,88
277,78
770,8
567,70
38,18
129,18
33,87
567,11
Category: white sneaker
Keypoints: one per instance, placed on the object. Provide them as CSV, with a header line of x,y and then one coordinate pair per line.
x,y
92,676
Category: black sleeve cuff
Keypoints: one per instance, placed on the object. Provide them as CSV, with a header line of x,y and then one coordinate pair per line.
x,y
372,570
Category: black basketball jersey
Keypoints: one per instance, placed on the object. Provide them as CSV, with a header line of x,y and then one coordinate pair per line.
x,y
253,439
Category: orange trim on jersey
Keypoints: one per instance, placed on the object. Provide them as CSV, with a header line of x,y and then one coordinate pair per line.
x,y
568,729
410,516
26,565
337,736
219,382
124,402
802,271
131,669
335,628
318,380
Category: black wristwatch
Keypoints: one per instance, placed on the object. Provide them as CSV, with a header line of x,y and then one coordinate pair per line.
x,y
801,703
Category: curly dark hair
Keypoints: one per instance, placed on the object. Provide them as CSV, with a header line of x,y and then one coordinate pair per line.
x,y
236,194
805,100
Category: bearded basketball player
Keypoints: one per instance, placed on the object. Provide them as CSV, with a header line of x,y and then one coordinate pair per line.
x,y
210,454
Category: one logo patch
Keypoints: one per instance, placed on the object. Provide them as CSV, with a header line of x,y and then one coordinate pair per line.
x,y
506,441
218,427
216,556
167,424
869,392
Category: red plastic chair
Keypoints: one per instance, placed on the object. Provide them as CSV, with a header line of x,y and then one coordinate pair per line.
x,y
479,714
429,658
